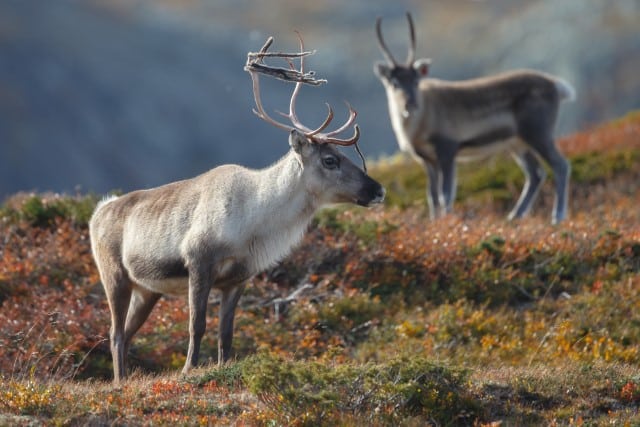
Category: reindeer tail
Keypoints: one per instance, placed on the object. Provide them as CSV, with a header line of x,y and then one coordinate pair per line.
x,y
566,92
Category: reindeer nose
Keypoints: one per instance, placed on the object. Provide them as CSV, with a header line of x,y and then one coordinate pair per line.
x,y
380,194
374,195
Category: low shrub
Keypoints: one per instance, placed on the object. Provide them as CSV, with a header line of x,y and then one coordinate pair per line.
x,y
312,393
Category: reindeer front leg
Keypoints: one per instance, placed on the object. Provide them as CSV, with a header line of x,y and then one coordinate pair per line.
x,y
448,194
446,149
200,282
230,297
433,190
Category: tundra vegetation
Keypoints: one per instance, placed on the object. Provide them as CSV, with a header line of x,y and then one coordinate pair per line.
x,y
380,317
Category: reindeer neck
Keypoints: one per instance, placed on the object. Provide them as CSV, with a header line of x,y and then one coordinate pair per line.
x,y
280,192
406,127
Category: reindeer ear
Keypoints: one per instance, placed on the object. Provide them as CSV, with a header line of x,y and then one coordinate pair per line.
x,y
422,67
382,69
299,142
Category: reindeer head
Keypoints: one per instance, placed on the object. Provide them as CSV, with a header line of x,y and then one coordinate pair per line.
x,y
401,79
328,175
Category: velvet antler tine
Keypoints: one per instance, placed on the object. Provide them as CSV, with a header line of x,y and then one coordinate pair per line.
x,y
345,142
412,41
381,43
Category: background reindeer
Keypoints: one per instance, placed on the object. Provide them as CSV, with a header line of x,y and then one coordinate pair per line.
x,y
438,122
222,227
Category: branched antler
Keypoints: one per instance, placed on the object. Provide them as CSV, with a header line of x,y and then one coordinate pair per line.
x,y
255,65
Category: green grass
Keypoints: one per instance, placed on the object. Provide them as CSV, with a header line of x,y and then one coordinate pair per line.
x,y
42,211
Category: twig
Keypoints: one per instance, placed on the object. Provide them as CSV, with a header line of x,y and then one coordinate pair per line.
x,y
285,74
256,64
291,297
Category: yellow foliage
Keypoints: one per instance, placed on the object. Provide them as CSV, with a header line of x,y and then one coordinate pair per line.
x,y
27,397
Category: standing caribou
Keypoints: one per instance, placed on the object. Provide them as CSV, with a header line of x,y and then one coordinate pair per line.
x,y
439,122
222,227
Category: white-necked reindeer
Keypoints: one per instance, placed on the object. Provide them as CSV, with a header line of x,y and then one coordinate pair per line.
x,y
220,228
439,122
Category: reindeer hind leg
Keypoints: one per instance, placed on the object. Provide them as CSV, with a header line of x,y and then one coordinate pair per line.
x,y
561,175
545,147
117,287
534,177
142,302
535,127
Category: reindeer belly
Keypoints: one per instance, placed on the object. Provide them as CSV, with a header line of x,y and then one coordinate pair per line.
x,y
484,138
471,153
177,286
165,276
172,277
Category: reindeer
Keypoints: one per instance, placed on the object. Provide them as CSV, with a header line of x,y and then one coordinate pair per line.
x,y
439,122
220,228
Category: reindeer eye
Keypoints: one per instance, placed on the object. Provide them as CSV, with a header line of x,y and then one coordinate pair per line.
x,y
330,162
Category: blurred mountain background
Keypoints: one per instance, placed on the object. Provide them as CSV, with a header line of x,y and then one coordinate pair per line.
x,y
97,95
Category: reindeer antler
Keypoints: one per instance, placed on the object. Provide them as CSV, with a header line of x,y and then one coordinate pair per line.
x,y
385,50
255,65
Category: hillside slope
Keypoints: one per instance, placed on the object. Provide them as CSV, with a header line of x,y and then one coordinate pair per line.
x,y
379,317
